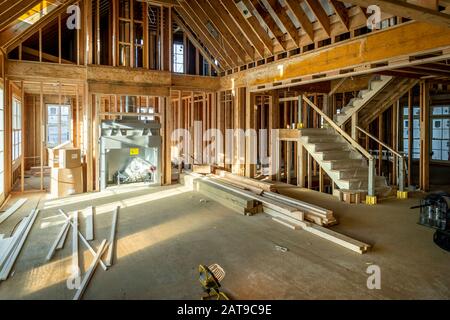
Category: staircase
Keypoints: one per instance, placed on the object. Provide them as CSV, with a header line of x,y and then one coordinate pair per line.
x,y
376,84
340,160
385,99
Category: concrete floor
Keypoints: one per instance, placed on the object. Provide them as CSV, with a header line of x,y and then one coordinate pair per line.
x,y
165,233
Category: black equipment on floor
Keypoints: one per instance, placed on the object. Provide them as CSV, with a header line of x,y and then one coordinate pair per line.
x,y
435,211
442,239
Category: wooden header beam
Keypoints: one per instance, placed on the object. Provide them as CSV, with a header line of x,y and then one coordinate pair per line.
x,y
381,47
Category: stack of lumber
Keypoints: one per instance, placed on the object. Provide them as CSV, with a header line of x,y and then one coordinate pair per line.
x,y
313,213
12,209
258,184
284,210
10,247
235,201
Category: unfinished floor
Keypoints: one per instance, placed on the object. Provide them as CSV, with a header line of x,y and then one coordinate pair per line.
x,y
165,233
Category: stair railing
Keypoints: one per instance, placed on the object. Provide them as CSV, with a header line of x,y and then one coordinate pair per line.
x,y
400,163
346,136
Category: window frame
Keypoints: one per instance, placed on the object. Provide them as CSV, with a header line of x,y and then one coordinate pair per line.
x,y
59,124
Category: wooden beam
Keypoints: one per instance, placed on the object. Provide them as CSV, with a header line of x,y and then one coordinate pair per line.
x,y
410,135
320,14
218,11
424,165
197,44
408,10
286,21
208,16
235,15
11,10
254,23
381,46
341,12
199,31
297,10
255,5
197,15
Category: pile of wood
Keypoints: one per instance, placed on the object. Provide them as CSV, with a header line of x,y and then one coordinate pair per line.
x,y
230,199
289,212
106,247
265,186
292,207
11,247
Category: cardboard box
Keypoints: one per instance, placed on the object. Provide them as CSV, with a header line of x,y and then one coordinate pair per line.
x,y
69,158
66,182
53,154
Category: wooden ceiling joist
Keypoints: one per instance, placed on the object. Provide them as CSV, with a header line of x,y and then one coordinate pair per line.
x,y
199,31
196,14
255,5
11,10
320,14
218,12
285,20
194,41
341,12
14,34
201,7
297,10
408,10
244,25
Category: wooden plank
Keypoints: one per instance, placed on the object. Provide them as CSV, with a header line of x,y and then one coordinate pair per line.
x,y
55,244
409,10
90,272
112,238
83,239
320,14
89,220
63,238
263,185
301,16
12,210
75,263
13,257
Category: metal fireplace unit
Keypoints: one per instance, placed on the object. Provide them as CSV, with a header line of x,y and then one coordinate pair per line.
x,y
130,152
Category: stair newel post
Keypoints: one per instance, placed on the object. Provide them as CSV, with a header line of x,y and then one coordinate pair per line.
x,y
401,175
401,193
371,181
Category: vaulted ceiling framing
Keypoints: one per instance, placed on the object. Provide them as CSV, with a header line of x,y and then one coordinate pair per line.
x,y
235,33
239,32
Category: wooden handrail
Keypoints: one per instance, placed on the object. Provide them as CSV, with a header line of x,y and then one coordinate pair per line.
x,y
381,143
347,137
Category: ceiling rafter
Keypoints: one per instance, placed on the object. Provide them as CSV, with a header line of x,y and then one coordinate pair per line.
x,y
195,12
408,10
270,22
197,44
341,12
297,10
11,10
320,14
286,21
210,16
14,34
198,31
251,27
218,12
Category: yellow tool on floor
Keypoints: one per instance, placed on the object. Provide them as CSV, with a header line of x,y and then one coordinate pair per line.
x,y
210,278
